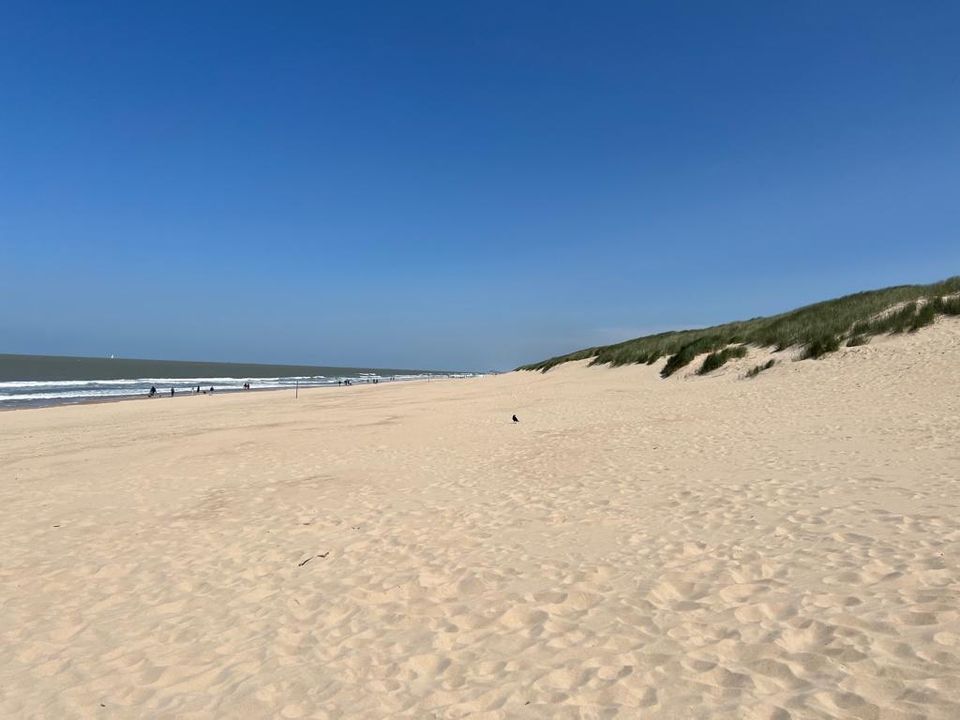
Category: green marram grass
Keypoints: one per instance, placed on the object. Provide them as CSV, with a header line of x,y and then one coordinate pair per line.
x,y
757,369
718,359
818,329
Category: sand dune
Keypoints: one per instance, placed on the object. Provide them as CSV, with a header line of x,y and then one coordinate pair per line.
x,y
783,547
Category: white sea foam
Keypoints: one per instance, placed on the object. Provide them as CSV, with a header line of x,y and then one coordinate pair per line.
x,y
155,381
33,392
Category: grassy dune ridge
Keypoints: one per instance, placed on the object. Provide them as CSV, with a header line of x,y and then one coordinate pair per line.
x,y
818,329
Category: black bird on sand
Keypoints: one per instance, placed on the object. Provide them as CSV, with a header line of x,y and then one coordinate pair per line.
x,y
516,419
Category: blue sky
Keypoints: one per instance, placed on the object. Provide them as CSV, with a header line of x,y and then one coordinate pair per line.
x,y
461,185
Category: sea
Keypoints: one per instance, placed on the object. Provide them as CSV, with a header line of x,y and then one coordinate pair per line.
x,y
38,380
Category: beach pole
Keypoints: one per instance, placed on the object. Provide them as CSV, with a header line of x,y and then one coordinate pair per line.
x,y
297,392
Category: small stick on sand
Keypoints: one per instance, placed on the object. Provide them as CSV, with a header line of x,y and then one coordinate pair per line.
x,y
311,558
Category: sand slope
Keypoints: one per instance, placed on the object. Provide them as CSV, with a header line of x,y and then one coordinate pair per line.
x,y
786,547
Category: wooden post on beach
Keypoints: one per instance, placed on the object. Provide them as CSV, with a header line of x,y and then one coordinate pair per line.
x,y
297,391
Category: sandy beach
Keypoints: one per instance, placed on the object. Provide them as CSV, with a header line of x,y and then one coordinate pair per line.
x,y
698,547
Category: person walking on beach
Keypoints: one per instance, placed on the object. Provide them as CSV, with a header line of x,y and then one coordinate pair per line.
x,y
171,392
153,391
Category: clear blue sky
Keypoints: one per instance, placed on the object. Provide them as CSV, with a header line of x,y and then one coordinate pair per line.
x,y
461,185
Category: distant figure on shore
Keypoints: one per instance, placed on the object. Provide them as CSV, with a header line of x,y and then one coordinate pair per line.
x,y
153,391
171,392
211,388
516,419
198,389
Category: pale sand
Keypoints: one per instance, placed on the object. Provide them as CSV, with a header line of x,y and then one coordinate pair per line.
x,y
786,547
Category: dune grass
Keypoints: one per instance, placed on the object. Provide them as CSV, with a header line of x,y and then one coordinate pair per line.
x,y
718,359
757,369
818,329
820,346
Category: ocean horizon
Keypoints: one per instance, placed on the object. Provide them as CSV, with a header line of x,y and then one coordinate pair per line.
x,y
40,380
